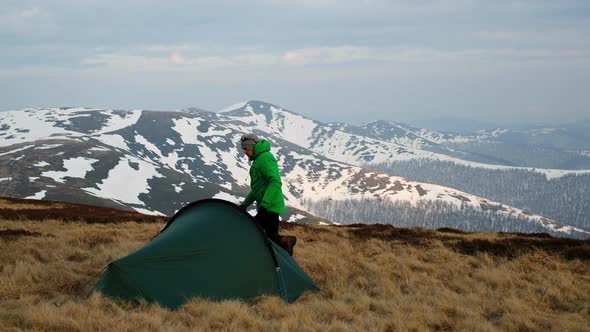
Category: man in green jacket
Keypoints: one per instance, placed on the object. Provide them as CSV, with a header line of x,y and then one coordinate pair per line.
x,y
265,189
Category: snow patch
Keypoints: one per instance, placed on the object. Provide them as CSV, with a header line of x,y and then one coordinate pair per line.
x,y
17,150
114,140
292,127
236,166
42,164
101,149
48,146
75,168
295,217
149,212
124,183
39,195
35,126
148,145
178,187
233,107
116,122
228,197
187,129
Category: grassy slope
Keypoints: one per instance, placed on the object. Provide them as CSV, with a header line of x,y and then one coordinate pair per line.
x,y
372,277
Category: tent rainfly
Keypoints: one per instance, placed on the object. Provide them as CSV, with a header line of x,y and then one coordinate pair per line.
x,y
209,249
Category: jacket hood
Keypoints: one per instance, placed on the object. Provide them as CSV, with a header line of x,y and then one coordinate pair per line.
x,y
260,147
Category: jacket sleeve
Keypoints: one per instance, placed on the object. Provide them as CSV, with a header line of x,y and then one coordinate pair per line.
x,y
270,170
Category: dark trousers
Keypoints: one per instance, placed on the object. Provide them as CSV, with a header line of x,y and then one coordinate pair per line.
x,y
270,223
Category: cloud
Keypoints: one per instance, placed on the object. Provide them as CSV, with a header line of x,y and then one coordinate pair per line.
x,y
167,48
547,38
31,12
294,49
379,8
178,59
352,54
27,20
292,56
328,55
193,58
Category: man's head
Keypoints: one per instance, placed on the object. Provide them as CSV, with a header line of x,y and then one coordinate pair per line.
x,y
248,142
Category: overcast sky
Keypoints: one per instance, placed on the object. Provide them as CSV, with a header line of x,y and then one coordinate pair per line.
x,y
333,60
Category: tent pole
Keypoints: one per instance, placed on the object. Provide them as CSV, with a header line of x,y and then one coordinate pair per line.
x,y
280,278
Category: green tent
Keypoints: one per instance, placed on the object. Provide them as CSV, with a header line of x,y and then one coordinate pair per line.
x,y
210,249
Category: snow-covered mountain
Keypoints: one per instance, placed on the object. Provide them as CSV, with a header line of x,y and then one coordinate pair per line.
x,y
563,147
480,163
156,162
373,143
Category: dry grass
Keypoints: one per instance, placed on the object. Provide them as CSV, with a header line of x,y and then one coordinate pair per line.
x,y
9,205
36,210
373,278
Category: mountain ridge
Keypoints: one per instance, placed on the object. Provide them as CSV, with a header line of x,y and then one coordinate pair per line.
x,y
158,155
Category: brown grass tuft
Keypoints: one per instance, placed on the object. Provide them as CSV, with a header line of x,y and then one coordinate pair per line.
x,y
32,209
8,205
15,233
372,278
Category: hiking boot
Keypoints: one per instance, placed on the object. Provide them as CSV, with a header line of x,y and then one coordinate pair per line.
x,y
287,243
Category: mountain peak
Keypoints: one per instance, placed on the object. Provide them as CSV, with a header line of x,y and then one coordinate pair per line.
x,y
233,107
254,104
257,107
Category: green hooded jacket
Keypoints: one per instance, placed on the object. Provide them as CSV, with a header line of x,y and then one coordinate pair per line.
x,y
265,180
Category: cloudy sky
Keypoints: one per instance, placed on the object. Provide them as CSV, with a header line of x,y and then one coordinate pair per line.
x,y
353,61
